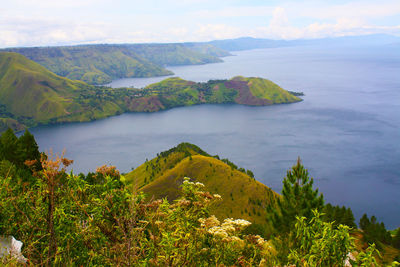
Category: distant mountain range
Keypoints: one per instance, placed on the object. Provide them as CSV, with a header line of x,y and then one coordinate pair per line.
x,y
102,63
247,43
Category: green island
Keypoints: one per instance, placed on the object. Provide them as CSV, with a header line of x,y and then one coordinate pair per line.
x,y
32,95
156,215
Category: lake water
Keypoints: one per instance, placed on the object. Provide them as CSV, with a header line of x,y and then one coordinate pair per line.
x,y
346,131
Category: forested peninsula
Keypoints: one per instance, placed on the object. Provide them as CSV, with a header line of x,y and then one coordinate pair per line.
x,y
32,95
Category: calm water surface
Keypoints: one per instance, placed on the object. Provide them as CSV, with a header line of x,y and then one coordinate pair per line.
x,y
346,131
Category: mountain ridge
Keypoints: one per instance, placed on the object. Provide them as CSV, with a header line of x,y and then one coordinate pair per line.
x,y
242,195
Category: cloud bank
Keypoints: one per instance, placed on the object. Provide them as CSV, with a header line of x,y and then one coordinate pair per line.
x,y
45,22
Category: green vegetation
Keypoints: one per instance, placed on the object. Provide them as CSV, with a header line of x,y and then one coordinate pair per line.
x,y
243,197
97,219
299,199
32,95
178,54
100,64
374,232
275,94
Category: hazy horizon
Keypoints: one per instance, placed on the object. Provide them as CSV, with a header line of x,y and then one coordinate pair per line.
x,y
27,23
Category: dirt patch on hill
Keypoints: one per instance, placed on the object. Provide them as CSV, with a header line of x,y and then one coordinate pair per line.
x,y
144,104
245,96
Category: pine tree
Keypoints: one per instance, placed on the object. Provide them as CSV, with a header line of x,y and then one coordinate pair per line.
x,y
9,147
28,148
364,222
298,199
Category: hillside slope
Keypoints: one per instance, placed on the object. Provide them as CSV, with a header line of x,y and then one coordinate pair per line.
x,y
242,196
100,64
175,91
31,94
28,90
94,64
178,54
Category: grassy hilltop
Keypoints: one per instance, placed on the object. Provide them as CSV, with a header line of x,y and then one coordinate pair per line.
x,y
242,196
175,91
31,94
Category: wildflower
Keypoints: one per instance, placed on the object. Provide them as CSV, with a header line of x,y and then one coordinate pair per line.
x,y
199,184
186,180
220,233
209,222
236,239
242,223
216,196
206,195
260,240
184,202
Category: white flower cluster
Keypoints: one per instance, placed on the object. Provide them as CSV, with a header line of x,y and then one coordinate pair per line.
x,y
260,240
238,224
228,227
199,184
218,232
209,222
188,182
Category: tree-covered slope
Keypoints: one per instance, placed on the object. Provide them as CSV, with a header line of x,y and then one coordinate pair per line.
x,y
242,196
177,54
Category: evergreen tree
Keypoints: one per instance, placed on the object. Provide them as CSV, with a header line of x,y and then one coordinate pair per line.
x,y
339,215
349,219
298,199
9,147
28,149
374,232
364,222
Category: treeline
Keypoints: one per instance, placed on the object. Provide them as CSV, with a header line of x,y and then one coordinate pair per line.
x,y
94,219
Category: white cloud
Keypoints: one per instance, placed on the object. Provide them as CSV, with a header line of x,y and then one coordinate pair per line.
x,y
243,11
353,9
217,31
48,4
281,28
105,21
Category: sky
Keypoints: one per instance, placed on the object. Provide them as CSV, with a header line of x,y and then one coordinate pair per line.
x,y
69,22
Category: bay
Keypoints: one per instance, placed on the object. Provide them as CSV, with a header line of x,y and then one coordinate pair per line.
x,y
346,131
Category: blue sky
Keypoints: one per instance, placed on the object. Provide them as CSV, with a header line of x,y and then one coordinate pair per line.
x,y
64,22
